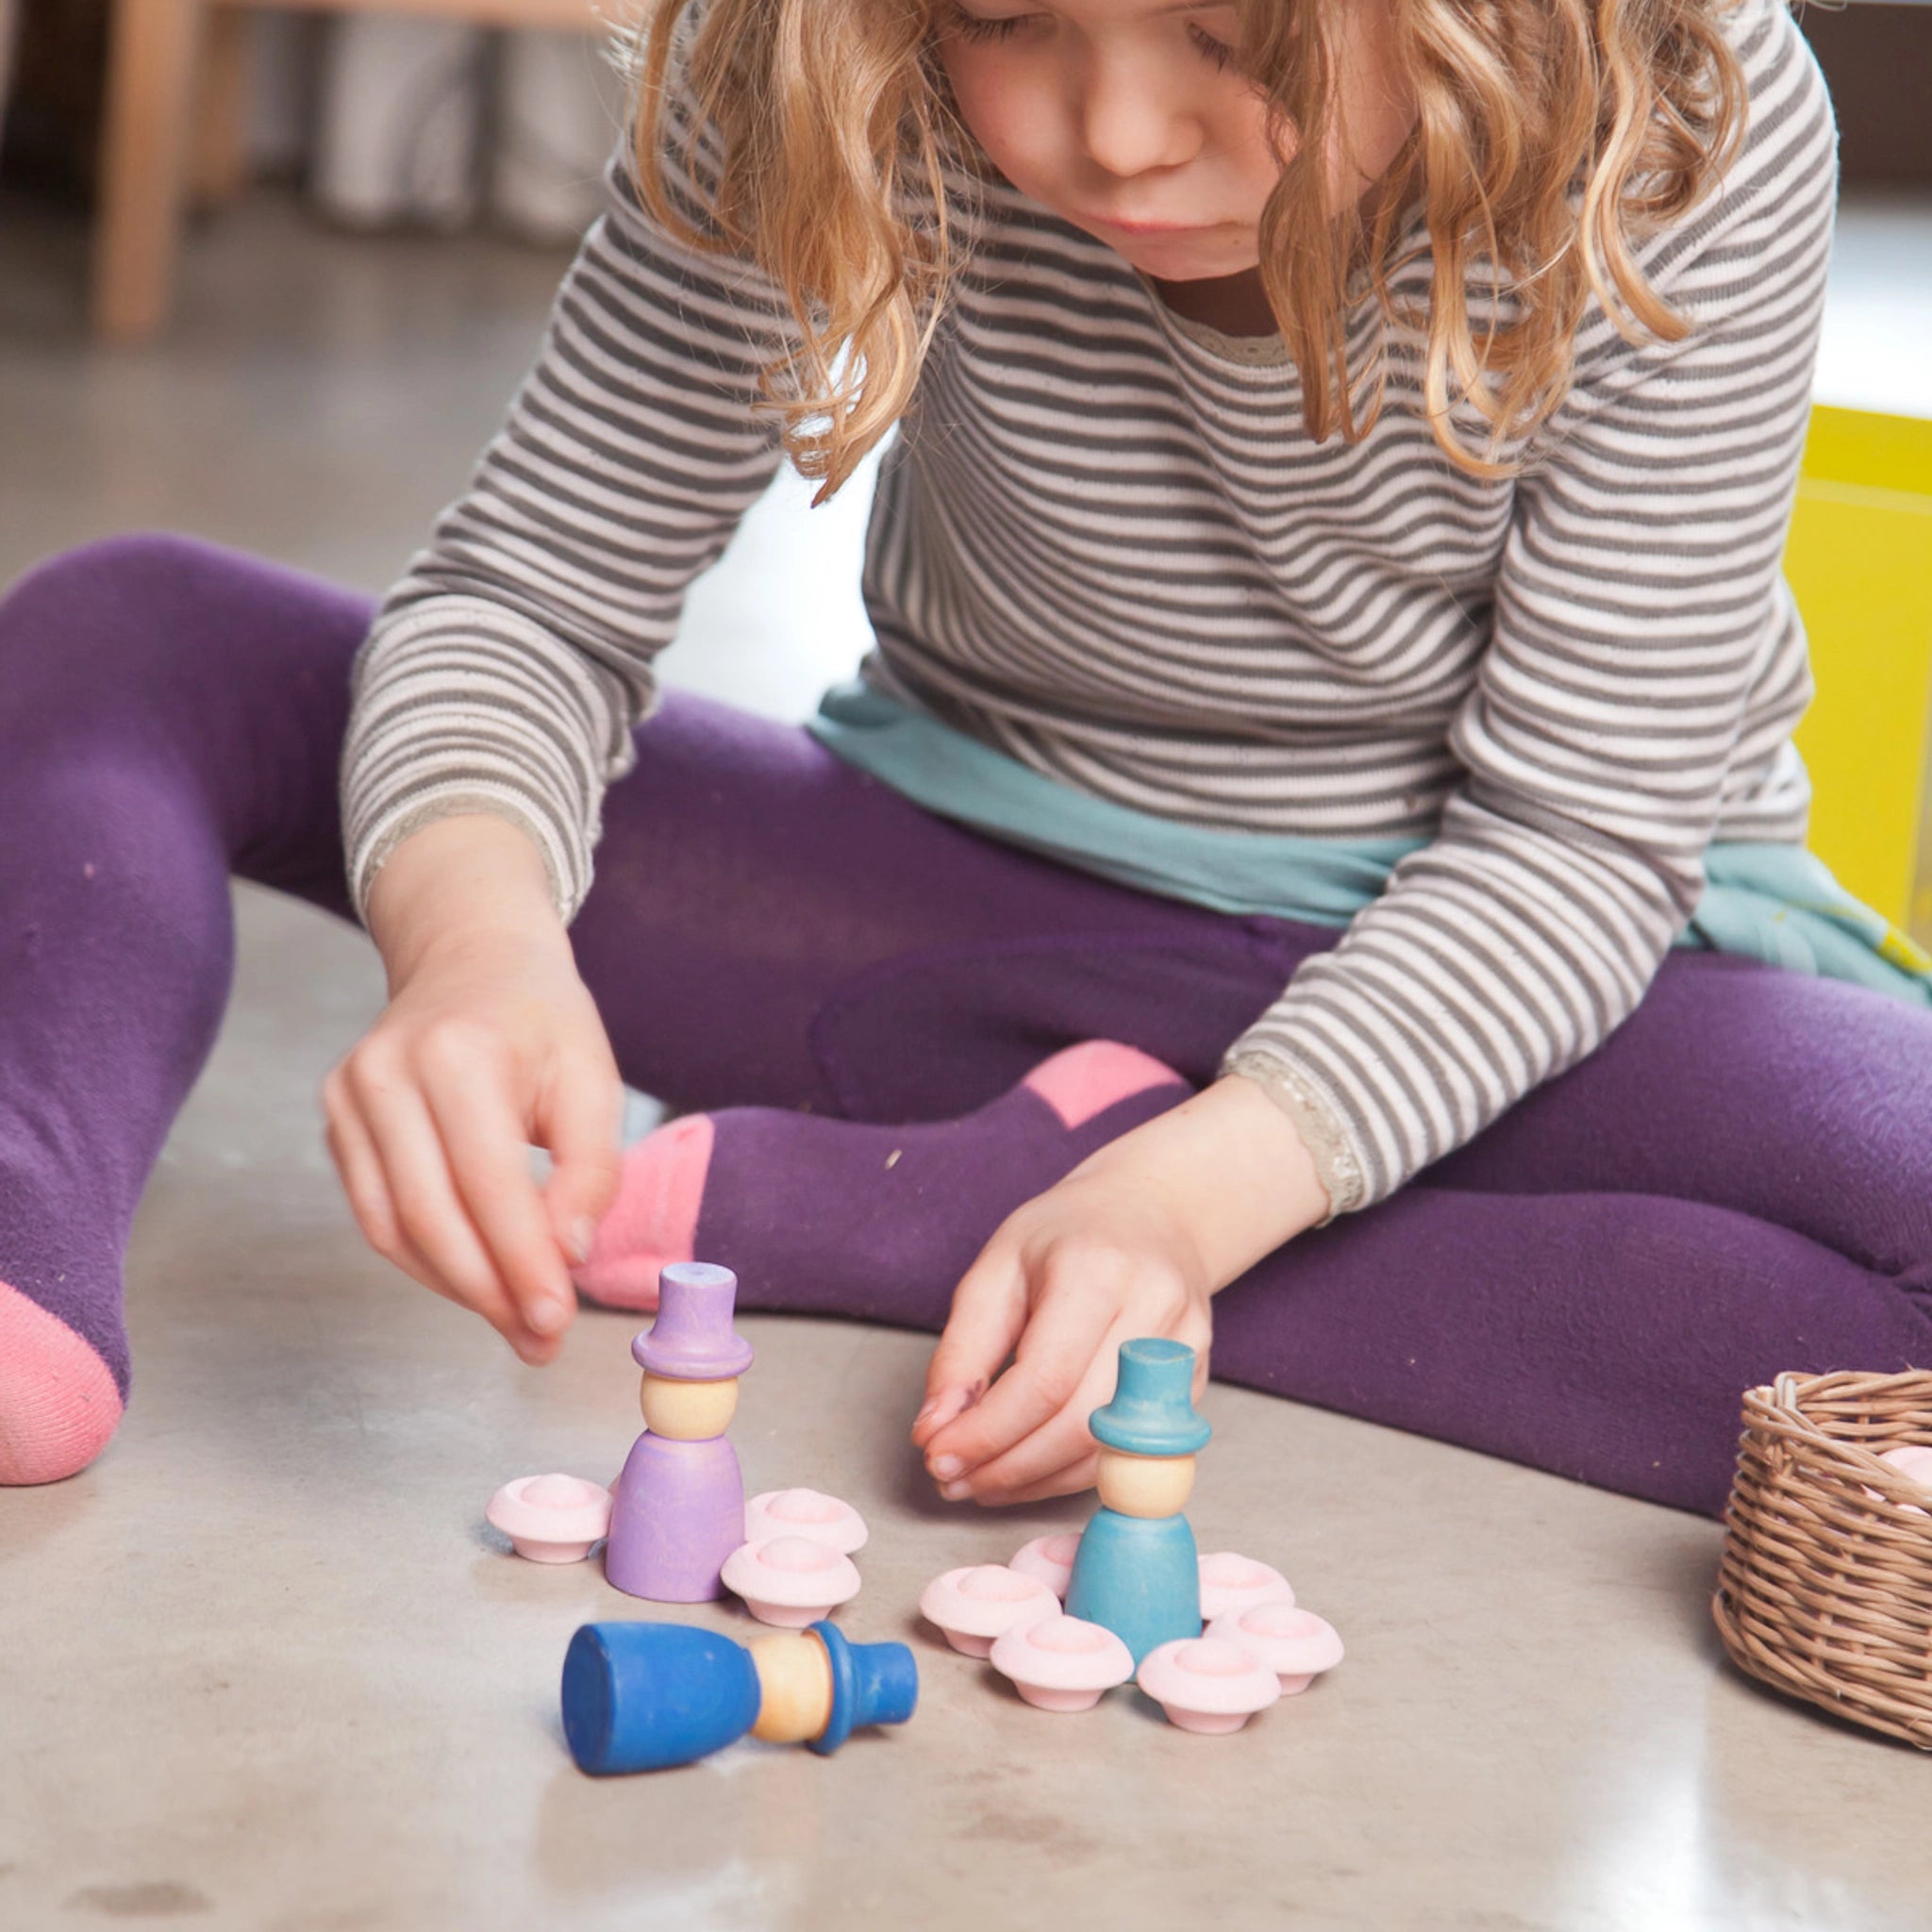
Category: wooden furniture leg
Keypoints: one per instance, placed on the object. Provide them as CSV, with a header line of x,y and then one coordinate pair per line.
x,y
218,158
7,10
144,151
177,91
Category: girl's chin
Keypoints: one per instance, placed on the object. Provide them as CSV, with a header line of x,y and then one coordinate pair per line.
x,y
1202,255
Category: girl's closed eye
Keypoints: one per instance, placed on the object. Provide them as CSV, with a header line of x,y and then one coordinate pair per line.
x,y
1218,52
986,29
973,26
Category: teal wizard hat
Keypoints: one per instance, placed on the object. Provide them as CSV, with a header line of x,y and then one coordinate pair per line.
x,y
1152,1412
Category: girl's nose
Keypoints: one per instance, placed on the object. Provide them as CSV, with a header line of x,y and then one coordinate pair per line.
x,y
1130,124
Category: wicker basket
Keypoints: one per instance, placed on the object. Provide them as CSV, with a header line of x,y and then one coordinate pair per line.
x,y
1826,1588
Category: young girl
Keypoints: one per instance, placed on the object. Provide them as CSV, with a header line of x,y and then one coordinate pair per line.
x,y
1330,649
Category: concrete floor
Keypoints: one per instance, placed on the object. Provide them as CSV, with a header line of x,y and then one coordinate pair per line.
x,y
264,1667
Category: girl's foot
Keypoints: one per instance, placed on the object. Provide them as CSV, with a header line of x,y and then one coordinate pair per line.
x,y
63,1352
59,1402
817,1214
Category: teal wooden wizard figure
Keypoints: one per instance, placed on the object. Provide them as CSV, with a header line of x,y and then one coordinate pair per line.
x,y
1137,1571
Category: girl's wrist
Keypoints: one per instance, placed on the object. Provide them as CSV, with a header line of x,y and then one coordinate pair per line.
x,y
1233,1172
471,878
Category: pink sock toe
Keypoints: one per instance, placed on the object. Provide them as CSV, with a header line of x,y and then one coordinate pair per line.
x,y
1086,1080
59,1405
654,1220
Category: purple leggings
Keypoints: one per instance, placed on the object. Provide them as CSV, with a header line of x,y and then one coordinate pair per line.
x,y
1738,1182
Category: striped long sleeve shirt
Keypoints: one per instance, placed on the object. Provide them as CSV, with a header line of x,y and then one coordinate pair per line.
x,y
1104,544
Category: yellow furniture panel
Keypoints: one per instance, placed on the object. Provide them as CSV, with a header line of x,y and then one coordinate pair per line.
x,y
1860,562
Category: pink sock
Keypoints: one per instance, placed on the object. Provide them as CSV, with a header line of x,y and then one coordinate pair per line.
x,y
654,1220
59,1402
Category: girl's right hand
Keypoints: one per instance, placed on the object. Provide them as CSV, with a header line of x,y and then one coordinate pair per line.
x,y
490,1044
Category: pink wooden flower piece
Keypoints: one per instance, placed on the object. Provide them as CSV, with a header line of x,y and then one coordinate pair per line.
x,y
805,1512
1051,1559
551,1519
1296,1644
1061,1663
1231,1583
977,1604
789,1581
1207,1684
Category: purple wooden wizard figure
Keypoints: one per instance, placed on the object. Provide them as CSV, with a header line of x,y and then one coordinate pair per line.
x,y
678,1508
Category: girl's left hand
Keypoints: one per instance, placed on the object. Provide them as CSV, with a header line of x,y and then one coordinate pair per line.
x,y
1137,1240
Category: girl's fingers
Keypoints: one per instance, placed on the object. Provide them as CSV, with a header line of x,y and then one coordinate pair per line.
x,y
1019,1471
940,1409
989,1311
580,1122
361,1172
483,1140
432,1217
360,1168
401,1252
1059,1442
1051,1365
1056,1445
1069,1481
368,1193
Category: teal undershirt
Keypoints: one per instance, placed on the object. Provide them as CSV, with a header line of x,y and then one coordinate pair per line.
x,y
1771,902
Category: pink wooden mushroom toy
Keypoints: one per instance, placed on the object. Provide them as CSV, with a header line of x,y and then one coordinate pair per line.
x,y
551,1519
1232,1583
973,1604
1051,1559
805,1512
1061,1663
1296,1644
1913,1461
1207,1684
791,1581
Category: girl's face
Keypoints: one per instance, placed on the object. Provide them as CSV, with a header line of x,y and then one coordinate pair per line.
x,y
1129,119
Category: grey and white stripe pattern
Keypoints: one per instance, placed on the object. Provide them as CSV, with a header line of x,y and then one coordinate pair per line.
x,y
1104,544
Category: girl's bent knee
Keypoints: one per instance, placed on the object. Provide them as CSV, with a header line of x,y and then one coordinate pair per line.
x,y
92,623
107,571
173,633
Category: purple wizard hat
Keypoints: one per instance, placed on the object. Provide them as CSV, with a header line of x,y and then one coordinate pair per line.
x,y
693,1340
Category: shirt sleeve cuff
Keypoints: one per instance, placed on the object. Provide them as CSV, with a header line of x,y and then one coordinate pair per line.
x,y
567,890
1338,1166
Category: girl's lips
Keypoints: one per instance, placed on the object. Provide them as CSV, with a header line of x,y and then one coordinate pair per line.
x,y
1150,227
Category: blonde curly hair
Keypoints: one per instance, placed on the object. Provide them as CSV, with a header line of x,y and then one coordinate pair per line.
x,y
1552,136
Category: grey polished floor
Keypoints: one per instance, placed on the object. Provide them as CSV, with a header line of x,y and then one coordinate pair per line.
x,y
264,1667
